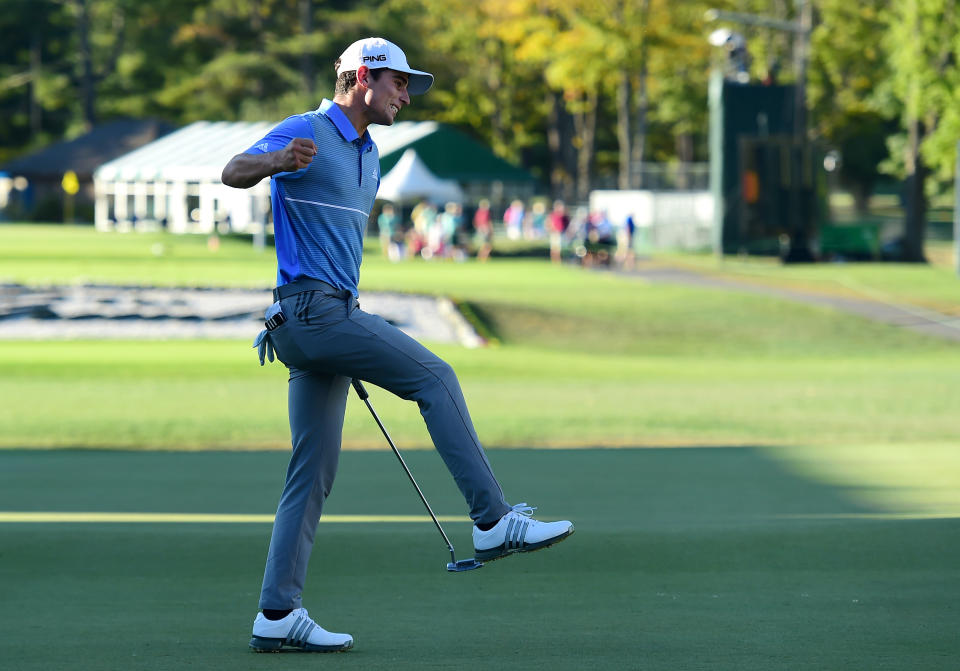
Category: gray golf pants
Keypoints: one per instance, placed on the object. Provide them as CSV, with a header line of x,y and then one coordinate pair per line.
x,y
325,342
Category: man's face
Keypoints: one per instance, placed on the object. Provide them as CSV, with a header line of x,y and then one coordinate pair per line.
x,y
385,96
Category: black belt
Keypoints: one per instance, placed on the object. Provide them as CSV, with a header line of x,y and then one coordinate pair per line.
x,y
301,285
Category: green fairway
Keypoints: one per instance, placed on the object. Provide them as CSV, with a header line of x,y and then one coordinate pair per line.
x,y
584,359
44,254
934,286
213,394
695,559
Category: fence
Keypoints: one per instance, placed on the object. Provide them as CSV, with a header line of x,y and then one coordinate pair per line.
x,y
661,177
664,219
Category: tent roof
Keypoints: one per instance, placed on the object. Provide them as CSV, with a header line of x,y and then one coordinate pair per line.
x,y
84,154
395,138
199,151
448,152
196,152
411,180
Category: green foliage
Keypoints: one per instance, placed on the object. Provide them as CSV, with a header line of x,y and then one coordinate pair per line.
x,y
34,32
848,63
498,64
850,110
482,83
678,86
923,43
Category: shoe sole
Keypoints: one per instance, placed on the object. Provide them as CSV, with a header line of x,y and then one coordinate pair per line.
x,y
500,552
261,644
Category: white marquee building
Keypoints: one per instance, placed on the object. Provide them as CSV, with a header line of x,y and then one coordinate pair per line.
x,y
175,181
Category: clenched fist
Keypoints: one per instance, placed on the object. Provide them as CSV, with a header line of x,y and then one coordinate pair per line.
x,y
298,154
245,170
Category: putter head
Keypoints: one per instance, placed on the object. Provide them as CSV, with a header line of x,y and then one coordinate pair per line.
x,y
463,565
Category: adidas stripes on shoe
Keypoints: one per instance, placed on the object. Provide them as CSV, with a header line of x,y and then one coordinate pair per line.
x,y
517,531
296,630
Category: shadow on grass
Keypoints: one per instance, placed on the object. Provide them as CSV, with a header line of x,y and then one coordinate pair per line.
x,y
618,487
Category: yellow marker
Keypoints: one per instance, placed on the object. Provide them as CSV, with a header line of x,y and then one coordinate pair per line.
x,y
70,183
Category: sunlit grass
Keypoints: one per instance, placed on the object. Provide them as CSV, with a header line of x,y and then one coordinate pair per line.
x,y
935,285
193,395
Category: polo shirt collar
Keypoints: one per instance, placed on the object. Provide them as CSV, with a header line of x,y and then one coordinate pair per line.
x,y
332,111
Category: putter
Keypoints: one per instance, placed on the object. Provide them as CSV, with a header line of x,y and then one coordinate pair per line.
x,y
454,565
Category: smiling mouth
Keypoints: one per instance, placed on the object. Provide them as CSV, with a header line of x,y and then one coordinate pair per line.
x,y
396,110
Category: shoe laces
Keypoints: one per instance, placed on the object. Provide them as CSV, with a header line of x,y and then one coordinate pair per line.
x,y
523,509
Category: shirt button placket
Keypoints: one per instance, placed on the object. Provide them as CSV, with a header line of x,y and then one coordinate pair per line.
x,y
356,143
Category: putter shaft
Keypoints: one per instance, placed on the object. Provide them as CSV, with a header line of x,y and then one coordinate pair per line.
x,y
365,397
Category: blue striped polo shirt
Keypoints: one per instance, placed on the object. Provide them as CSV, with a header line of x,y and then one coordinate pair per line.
x,y
320,212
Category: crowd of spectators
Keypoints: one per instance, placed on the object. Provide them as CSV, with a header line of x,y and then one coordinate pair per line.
x,y
577,234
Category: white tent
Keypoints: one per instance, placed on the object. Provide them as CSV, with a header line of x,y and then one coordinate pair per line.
x,y
177,179
411,180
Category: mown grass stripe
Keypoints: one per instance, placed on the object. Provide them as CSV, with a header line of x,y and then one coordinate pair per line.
x,y
204,518
871,516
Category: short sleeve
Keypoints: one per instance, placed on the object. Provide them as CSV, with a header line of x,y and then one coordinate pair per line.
x,y
280,136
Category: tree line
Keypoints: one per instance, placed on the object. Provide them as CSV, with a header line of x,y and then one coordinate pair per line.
x,y
571,89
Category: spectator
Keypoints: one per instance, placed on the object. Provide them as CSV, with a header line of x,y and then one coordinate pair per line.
x,y
558,223
425,223
391,238
483,225
415,241
449,221
599,239
625,253
451,225
535,225
513,220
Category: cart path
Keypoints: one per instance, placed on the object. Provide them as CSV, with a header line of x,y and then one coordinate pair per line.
x,y
912,317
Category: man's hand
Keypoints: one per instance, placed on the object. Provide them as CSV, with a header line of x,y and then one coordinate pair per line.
x,y
297,155
245,170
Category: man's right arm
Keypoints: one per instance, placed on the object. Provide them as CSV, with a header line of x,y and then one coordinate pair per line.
x,y
245,170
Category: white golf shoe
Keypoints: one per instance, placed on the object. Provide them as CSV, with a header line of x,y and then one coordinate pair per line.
x,y
296,630
517,531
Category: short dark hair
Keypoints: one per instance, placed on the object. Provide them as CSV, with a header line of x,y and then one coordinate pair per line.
x,y
347,80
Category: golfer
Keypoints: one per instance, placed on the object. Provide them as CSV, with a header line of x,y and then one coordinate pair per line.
x,y
325,173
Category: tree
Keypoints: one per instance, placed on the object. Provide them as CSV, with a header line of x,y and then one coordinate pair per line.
x,y
680,84
848,64
35,104
615,34
237,59
483,85
923,48
581,47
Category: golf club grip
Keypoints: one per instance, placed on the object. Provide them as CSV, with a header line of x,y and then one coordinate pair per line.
x,y
361,390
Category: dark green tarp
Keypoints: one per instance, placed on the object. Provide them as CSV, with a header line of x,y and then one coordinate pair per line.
x,y
452,154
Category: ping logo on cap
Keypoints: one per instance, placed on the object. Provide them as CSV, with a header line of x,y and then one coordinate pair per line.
x,y
377,52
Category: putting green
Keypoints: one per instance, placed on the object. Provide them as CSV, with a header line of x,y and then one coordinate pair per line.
x,y
719,558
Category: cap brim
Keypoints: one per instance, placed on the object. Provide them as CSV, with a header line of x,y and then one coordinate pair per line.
x,y
419,82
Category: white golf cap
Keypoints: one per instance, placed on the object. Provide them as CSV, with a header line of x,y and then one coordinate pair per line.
x,y
376,52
